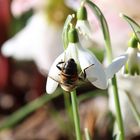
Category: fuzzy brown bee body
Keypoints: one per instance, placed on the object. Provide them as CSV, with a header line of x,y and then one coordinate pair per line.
x,y
68,75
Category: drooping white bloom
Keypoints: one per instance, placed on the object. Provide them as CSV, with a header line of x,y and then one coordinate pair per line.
x,y
18,7
37,42
84,27
82,23
133,63
96,73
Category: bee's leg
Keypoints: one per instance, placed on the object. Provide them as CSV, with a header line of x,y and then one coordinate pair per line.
x,y
59,64
82,75
54,79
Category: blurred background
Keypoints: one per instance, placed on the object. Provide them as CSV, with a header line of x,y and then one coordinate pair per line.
x,y
30,40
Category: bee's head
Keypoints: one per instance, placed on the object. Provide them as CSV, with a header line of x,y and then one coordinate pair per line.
x,y
70,66
71,60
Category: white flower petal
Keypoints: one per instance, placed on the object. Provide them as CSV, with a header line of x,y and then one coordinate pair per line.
x,y
51,85
138,55
24,44
94,71
115,66
138,58
53,76
84,27
71,52
38,41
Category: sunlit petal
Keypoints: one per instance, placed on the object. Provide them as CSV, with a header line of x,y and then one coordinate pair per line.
x,y
115,66
92,67
84,27
38,41
53,76
138,57
71,52
51,85
25,43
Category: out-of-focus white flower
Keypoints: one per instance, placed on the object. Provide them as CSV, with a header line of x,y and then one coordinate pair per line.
x,y
18,7
95,73
133,63
74,4
132,66
38,41
127,85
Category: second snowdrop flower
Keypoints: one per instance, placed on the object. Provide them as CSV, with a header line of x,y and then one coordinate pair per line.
x,y
132,66
82,23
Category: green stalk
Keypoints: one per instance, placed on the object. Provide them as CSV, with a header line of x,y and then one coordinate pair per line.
x,y
65,31
87,135
76,115
68,106
118,108
135,26
106,35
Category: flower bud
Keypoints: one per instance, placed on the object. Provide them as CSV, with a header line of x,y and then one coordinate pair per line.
x,y
72,35
82,13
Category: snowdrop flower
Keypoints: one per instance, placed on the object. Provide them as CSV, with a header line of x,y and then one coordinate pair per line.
x,y
86,61
36,42
132,66
82,22
84,27
40,40
18,7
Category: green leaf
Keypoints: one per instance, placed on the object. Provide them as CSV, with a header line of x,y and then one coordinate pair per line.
x,y
87,135
20,114
135,26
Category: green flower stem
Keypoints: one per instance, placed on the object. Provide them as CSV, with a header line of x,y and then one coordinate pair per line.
x,y
118,108
68,107
104,26
87,135
106,35
76,115
135,26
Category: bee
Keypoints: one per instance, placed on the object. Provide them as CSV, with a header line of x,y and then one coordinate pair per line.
x,y
69,74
